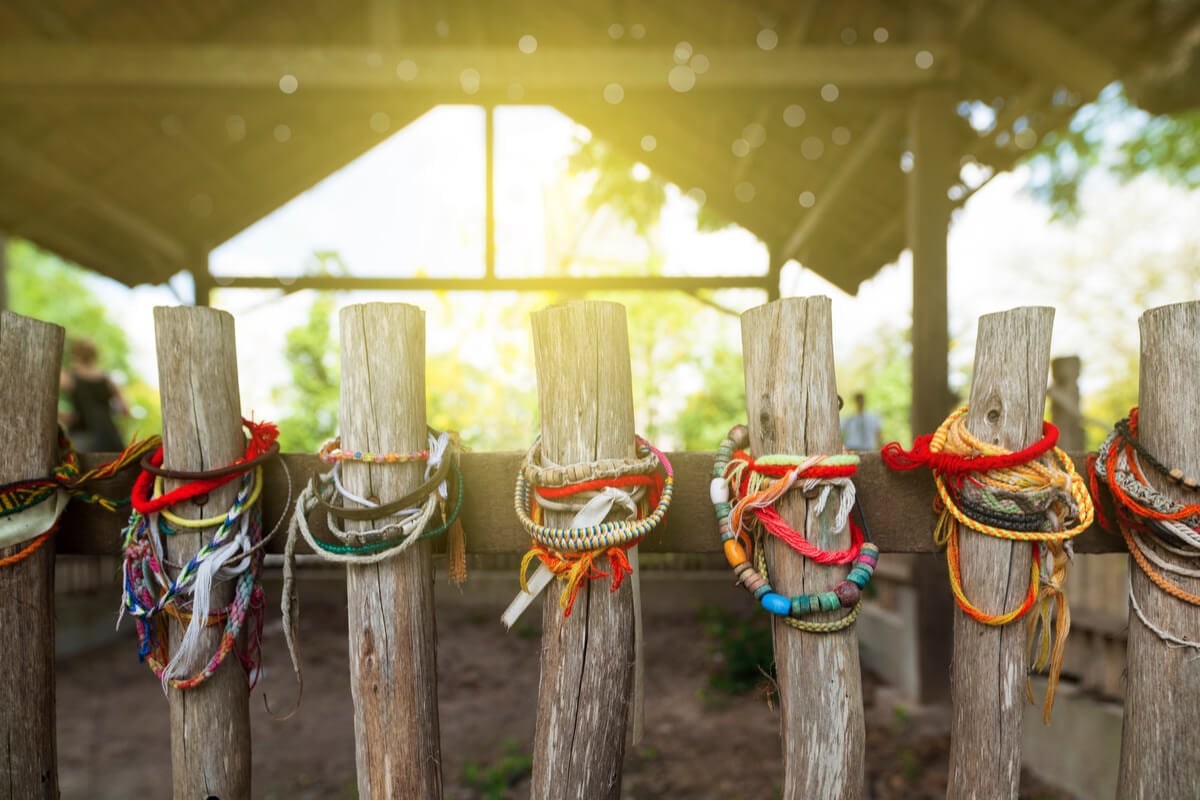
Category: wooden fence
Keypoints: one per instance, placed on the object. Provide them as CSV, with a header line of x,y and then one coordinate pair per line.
x,y
582,361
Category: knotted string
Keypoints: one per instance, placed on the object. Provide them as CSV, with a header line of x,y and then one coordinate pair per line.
x,y
1033,495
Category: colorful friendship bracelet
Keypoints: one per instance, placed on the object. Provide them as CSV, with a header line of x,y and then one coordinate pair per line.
x,y
847,594
570,553
332,451
601,535
1001,493
1142,512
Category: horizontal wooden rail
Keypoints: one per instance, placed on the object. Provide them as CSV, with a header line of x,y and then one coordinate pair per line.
x,y
898,506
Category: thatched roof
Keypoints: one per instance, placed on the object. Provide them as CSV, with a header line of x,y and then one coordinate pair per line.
x,y
137,136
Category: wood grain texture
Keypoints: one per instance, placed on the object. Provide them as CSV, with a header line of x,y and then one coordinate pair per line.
x,y
202,429
1008,396
393,647
585,395
899,507
791,400
1158,754
30,352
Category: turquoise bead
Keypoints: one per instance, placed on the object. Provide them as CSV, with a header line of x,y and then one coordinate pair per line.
x,y
829,602
761,591
776,604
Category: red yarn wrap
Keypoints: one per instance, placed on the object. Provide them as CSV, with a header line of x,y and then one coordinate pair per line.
x,y
261,436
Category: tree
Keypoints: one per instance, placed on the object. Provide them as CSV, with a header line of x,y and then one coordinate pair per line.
x,y
42,286
312,396
1113,136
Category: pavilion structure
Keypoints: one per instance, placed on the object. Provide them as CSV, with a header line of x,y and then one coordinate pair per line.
x,y
136,137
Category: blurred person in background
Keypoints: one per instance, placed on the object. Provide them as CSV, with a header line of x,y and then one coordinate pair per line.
x,y
861,431
93,401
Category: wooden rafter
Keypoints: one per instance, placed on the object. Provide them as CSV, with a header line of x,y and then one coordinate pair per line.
x,y
17,158
441,68
1043,49
886,125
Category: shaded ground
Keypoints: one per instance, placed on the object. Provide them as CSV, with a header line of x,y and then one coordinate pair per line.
x,y
700,743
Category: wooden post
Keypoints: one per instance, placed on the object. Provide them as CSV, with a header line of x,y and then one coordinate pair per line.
x,y
1008,400
3,272
393,655
585,394
791,402
933,145
1065,410
202,429
31,353
1158,754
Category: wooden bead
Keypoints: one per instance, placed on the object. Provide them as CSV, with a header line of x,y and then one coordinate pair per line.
x,y
735,553
740,436
848,593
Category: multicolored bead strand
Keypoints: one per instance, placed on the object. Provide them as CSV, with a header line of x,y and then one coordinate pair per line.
x,y
736,478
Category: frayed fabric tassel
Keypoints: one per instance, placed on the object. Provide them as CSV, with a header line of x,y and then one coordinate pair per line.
x,y
456,553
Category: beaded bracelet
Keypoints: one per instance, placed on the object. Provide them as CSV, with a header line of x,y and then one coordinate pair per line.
x,y
847,594
332,451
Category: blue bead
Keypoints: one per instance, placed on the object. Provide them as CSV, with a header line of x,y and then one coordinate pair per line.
x,y
761,591
776,604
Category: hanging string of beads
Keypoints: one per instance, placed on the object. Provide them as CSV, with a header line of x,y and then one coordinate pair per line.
x,y
155,588
30,509
1033,495
1153,525
433,508
637,489
744,492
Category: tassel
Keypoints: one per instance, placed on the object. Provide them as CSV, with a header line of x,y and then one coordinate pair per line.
x,y
456,553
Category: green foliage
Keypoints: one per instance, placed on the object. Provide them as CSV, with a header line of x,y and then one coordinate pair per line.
x,y
1113,135
618,186
311,397
42,286
743,645
494,780
882,369
709,413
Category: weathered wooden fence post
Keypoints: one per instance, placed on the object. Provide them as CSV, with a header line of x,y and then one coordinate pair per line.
x,y
202,429
791,402
585,393
393,653
1007,404
1159,758
31,353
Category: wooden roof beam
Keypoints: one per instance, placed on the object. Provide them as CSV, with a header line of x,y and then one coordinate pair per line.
x,y
885,126
441,68
19,159
1041,48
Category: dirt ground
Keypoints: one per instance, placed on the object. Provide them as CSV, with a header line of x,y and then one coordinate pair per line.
x,y
113,721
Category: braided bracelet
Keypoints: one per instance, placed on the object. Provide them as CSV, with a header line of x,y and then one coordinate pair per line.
x,y
864,554
601,535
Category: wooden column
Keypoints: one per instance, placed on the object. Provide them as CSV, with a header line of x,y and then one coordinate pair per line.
x,y
3,272
1065,410
30,355
393,654
1158,754
791,403
202,429
1008,397
585,394
934,149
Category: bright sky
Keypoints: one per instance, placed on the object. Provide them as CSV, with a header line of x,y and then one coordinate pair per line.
x,y
408,207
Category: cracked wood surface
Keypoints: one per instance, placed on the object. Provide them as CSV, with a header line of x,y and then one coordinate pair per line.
x,y
791,403
1008,398
393,646
202,429
585,396
31,352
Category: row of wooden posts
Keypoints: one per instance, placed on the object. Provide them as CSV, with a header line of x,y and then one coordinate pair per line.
x,y
584,389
